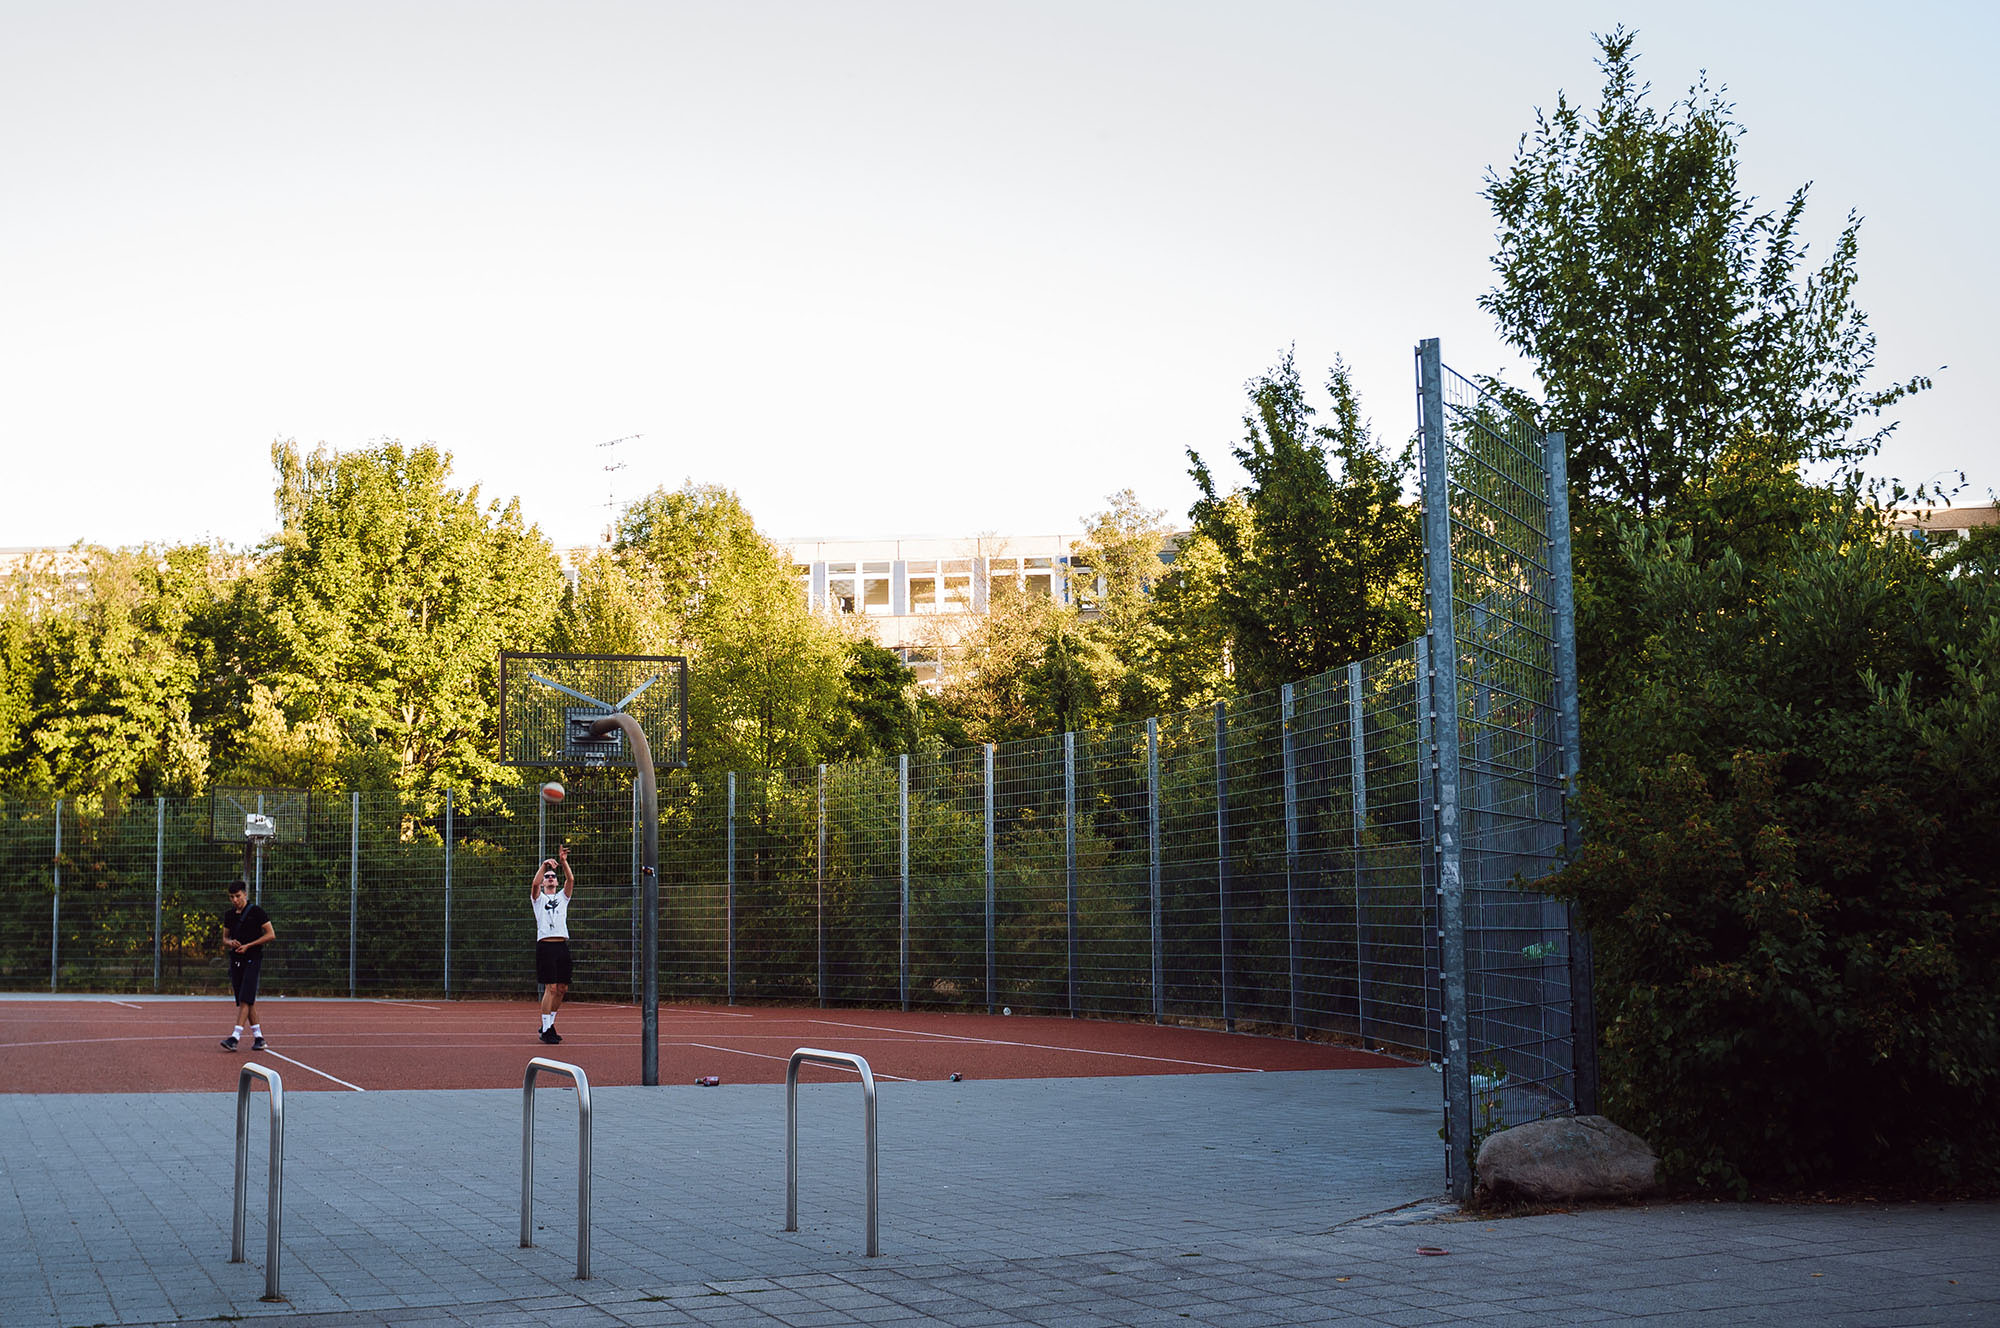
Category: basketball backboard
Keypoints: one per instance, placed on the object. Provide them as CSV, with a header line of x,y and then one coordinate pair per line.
x,y
548,704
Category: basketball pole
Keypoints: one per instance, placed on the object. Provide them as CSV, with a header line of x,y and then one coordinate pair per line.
x,y
649,890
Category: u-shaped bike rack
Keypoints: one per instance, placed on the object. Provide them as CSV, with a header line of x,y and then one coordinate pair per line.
x,y
576,1073
274,1205
819,1057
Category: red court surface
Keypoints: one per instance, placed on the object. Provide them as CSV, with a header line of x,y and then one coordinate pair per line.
x,y
108,1045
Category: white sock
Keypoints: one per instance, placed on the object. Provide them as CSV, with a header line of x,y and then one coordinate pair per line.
x,y
548,1022
237,1031
256,1030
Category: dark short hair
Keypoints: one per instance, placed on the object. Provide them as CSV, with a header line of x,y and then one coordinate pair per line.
x,y
236,887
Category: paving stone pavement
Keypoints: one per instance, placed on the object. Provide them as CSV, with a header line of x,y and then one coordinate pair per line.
x,y
1240,1200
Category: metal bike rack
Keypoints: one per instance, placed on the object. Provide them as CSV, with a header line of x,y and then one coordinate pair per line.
x,y
274,1208
819,1057
576,1073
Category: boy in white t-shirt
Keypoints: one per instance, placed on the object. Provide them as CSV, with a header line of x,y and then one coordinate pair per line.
x,y
551,897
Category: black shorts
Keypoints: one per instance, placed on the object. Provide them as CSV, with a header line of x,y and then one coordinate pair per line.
x,y
244,970
552,963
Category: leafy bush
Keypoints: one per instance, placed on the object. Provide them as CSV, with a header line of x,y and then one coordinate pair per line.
x,y
1793,811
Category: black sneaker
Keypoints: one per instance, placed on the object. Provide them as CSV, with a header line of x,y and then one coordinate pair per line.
x,y
550,1036
259,1045
229,1044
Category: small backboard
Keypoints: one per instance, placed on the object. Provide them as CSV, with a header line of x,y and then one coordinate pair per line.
x,y
548,704
229,810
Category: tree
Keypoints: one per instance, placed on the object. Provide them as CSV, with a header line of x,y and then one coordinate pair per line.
x,y
107,672
881,695
1670,323
1789,867
690,574
1114,571
392,594
1322,567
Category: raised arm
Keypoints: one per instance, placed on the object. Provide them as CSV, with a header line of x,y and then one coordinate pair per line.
x,y
569,877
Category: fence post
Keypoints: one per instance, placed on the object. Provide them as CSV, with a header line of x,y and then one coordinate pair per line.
x,y
1288,759
990,976
449,829
1582,974
1222,877
257,893
819,904
637,888
159,880
55,906
1069,859
729,900
903,874
1442,633
353,888
1153,864
1357,782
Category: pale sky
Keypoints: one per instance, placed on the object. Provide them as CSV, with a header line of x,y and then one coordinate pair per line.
x,y
881,268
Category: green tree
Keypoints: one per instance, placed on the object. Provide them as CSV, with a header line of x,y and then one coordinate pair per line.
x,y
1789,870
392,594
1672,325
1114,572
881,693
767,685
106,671
1323,557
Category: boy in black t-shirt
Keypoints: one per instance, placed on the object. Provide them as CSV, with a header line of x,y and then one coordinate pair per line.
x,y
246,930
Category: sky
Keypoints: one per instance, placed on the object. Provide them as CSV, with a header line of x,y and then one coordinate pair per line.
x,y
880,268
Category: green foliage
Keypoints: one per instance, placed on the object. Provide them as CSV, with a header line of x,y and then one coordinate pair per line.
x,y
1790,870
881,702
1321,563
391,596
108,672
1668,320
690,574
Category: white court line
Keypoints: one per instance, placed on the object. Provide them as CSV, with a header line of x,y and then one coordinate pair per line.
x,y
127,1004
1041,1046
732,1051
384,1000
303,1066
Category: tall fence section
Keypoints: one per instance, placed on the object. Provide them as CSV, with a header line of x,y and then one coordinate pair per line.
x,y
1347,857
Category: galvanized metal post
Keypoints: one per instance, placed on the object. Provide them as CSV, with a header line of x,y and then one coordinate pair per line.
x,y
1153,865
638,888
991,976
1443,704
903,876
449,831
1288,759
729,899
55,906
1582,969
159,879
1223,883
1357,781
1069,859
649,923
353,890
257,895
819,898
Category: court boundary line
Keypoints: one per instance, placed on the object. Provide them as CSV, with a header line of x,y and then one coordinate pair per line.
x,y
1042,1046
766,1056
279,1055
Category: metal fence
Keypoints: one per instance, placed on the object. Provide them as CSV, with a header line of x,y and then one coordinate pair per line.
x,y
1502,689
1256,864
1344,857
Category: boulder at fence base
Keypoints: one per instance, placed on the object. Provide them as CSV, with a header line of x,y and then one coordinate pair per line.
x,y
1565,1158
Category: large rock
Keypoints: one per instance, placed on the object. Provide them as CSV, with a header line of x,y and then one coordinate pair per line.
x,y
1565,1158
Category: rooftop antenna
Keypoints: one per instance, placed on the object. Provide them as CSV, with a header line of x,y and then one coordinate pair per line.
x,y
611,469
